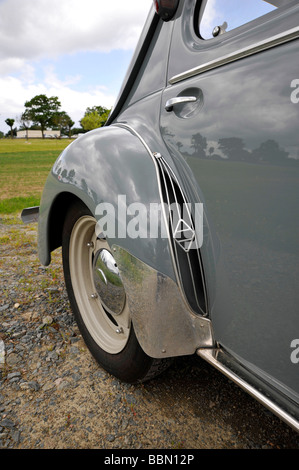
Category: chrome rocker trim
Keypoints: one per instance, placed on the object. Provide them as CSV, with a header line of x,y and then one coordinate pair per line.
x,y
220,360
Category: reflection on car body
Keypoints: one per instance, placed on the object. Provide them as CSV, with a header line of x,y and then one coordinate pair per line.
x,y
207,115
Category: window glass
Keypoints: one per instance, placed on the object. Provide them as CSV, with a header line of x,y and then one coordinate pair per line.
x,y
219,16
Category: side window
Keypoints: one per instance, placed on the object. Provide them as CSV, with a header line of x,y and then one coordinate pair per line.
x,y
219,16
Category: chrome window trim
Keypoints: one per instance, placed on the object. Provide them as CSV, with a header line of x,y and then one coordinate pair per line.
x,y
268,43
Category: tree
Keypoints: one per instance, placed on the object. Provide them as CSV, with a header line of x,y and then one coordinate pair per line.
x,y
199,143
269,151
234,148
69,124
10,123
94,118
63,121
91,121
25,123
41,110
101,110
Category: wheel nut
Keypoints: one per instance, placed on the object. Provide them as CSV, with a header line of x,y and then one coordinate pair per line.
x,y
119,330
90,245
94,296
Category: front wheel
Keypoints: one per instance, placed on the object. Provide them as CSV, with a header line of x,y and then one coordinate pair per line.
x,y
98,300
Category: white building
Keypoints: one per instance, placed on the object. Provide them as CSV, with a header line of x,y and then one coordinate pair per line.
x,y
30,134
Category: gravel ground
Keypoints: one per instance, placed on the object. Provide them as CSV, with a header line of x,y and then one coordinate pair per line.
x,y
53,395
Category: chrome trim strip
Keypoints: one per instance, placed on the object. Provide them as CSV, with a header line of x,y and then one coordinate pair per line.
x,y
210,355
277,40
155,156
151,154
165,168
204,334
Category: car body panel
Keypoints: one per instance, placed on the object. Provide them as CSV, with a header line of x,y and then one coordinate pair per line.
x,y
99,167
119,159
251,189
250,229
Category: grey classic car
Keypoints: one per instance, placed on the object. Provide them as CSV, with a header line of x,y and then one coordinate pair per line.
x,y
178,219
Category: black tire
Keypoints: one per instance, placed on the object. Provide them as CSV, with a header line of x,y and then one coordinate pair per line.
x,y
128,362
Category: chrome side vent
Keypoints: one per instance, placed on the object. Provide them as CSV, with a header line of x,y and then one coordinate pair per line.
x,y
184,238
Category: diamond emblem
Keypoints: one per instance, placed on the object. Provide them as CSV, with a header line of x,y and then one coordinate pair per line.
x,y
184,235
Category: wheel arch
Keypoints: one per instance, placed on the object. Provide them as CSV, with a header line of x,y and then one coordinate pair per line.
x,y
113,161
57,214
98,168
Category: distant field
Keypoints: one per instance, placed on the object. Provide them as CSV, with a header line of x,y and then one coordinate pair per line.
x,y
24,167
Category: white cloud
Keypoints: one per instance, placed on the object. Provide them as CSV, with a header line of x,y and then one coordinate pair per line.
x,y
14,93
31,31
10,65
72,101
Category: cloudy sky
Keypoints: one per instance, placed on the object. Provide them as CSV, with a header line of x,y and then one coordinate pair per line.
x,y
78,50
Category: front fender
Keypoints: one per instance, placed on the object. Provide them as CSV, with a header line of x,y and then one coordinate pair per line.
x,y
109,165
98,168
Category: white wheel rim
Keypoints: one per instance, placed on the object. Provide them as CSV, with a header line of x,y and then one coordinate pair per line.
x,y
110,332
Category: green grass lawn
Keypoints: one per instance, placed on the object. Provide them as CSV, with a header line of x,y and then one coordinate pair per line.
x,y
24,167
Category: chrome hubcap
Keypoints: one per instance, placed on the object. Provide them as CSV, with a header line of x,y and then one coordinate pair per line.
x,y
108,283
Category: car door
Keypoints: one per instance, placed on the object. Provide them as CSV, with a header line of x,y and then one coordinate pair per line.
x,y
236,127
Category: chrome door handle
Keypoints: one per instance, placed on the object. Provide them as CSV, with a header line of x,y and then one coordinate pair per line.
x,y
179,100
